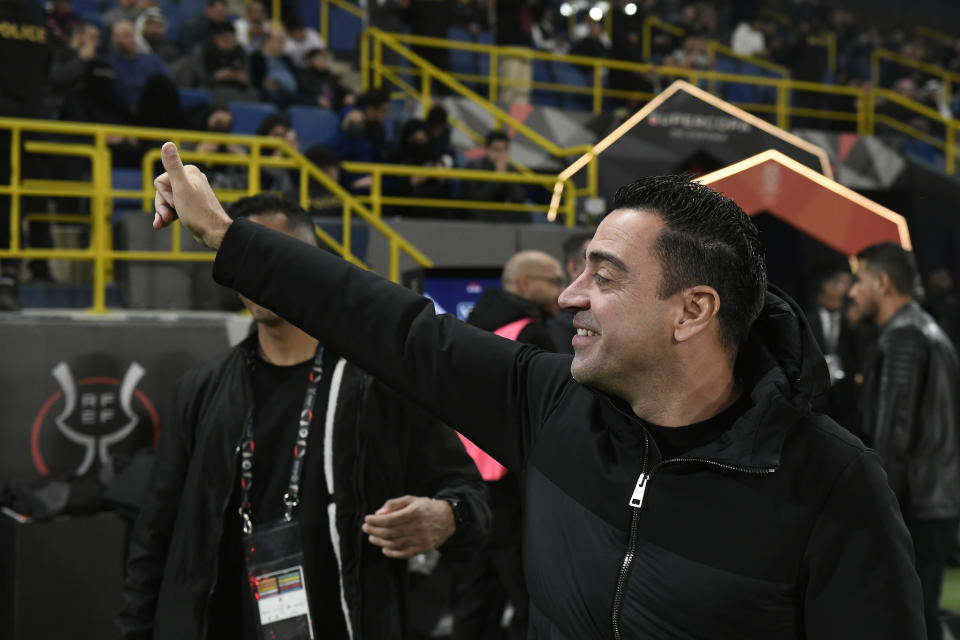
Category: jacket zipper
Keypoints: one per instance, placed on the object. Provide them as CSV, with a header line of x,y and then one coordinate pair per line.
x,y
636,503
216,555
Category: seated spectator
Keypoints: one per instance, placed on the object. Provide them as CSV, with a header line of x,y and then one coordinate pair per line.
x,y
278,179
322,201
496,158
69,63
748,39
413,148
472,15
545,35
223,65
197,31
252,28
124,10
441,146
159,105
97,101
300,41
151,33
272,73
692,55
593,41
351,145
60,20
376,108
222,176
131,67
318,84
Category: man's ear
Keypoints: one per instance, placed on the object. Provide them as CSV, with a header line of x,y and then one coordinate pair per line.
x,y
700,305
884,284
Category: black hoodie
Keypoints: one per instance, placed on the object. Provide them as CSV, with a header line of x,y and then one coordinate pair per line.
x,y
783,527
497,308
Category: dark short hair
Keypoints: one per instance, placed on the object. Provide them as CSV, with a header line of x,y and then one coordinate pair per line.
x,y
373,98
495,136
298,220
272,121
707,240
573,246
219,28
322,156
895,261
437,115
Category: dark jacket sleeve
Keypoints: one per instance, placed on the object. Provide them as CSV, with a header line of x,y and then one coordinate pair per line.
x,y
493,390
902,380
860,576
151,535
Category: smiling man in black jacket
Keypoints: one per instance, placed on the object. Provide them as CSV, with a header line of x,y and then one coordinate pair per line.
x,y
678,485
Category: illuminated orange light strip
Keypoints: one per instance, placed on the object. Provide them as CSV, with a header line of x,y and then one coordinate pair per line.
x,y
772,155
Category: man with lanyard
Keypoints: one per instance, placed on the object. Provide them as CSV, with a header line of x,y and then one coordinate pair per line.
x,y
677,482
274,458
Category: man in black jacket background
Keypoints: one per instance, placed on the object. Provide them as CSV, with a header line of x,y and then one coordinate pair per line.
x,y
909,411
369,457
677,484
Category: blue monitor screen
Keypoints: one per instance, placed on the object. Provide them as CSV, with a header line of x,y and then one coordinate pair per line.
x,y
453,290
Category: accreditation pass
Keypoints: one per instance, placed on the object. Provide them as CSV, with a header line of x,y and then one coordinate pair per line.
x,y
282,595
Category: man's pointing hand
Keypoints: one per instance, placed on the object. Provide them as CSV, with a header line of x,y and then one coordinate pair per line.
x,y
183,192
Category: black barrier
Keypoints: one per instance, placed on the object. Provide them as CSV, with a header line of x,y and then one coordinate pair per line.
x,y
79,390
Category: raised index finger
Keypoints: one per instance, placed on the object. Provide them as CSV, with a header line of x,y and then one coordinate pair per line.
x,y
172,163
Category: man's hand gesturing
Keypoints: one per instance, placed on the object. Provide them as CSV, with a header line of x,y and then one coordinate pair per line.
x,y
408,526
183,192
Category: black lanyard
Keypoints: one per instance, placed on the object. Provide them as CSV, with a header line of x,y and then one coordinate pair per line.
x,y
291,499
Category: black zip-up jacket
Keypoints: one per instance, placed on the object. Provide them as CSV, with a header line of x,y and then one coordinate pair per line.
x,y
382,447
784,527
910,413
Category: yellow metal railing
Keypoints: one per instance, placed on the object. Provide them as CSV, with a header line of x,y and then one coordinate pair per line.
x,y
352,9
378,199
261,152
939,37
947,77
858,105
714,47
375,72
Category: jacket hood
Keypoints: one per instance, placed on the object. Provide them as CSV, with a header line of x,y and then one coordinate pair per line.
x,y
783,370
496,308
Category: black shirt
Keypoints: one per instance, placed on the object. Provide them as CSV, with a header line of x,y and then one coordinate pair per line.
x,y
278,395
673,442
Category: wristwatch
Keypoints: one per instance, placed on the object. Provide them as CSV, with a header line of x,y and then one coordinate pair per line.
x,y
462,515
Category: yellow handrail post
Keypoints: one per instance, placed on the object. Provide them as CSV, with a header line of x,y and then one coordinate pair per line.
x,y
394,260
647,38
426,99
831,39
951,150
277,8
376,193
377,63
597,89
494,72
325,25
862,113
346,236
364,60
593,177
712,65
98,209
875,68
783,105
15,141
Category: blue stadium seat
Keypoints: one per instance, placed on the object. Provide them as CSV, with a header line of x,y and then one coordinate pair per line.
x,y
247,116
190,98
484,37
125,178
314,125
345,31
459,34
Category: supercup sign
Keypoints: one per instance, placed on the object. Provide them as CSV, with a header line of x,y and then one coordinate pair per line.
x,y
88,419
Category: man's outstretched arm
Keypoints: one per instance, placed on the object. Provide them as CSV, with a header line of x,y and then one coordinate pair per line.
x,y
493,390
